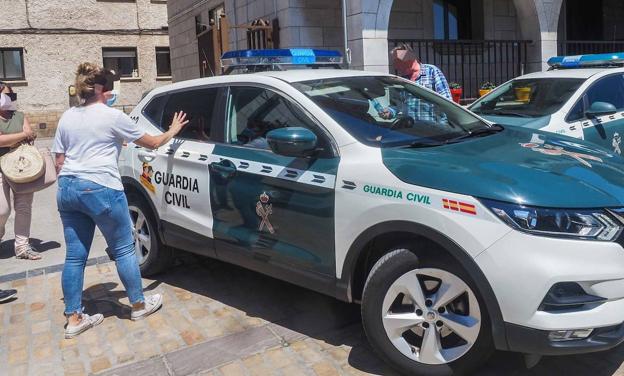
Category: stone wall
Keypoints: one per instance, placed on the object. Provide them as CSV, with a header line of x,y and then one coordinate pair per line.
x,y
303,23
413,19
500,20
84,14
539,21
183,37
44,122
50,63
51,57
410,19
317,23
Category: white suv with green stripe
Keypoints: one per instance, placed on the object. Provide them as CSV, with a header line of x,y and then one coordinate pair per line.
x,y
455,236
579,96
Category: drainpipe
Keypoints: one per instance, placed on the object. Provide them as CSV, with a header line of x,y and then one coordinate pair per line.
x,y
345,34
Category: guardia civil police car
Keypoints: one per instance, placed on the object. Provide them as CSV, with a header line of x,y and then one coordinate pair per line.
x,y
457,237
579,96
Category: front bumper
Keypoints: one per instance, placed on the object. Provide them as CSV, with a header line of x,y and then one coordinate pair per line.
x,y
521,269
533,341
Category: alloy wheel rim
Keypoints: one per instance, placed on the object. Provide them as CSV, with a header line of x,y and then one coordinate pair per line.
x,y
142,234
431,316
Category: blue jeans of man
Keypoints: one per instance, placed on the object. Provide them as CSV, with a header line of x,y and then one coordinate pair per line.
x,y
83,205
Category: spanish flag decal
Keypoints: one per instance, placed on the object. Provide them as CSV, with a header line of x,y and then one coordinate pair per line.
x,y
459,206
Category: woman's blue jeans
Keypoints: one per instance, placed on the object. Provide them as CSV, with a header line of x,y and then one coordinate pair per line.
x,y
83,205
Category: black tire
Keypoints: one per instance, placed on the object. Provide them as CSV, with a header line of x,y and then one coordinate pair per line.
x,y
159,256
384,273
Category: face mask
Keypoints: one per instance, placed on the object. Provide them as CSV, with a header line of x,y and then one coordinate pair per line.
x,y
110,101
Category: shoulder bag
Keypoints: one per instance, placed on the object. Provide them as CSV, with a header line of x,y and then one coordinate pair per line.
x,y
28,169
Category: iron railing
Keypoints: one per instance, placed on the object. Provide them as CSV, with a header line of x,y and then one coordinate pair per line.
x,y
579,47
471,62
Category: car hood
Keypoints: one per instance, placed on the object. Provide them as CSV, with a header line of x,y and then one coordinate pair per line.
x,y
533,123
516,165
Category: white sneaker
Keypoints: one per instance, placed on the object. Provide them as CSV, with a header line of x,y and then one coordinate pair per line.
x,y
87,322
152,304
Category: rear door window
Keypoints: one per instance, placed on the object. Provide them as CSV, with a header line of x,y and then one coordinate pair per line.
x,y
199,106
154,109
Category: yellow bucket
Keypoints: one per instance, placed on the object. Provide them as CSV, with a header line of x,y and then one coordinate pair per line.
x,y
483,92
523,94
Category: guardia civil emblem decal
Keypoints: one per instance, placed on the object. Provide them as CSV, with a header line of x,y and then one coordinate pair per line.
x,y
558,150
146,177
617,140
264,209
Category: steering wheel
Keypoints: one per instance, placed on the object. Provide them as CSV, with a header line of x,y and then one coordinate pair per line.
x,y
402,122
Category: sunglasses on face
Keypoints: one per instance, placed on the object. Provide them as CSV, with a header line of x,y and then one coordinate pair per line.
x,y
13,96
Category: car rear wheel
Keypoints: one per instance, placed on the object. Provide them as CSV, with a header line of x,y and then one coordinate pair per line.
x,y
153,256
424,319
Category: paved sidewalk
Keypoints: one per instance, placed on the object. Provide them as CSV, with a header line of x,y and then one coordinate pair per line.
x,y
218,319
46,236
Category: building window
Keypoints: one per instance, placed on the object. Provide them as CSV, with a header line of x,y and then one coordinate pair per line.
x,y
121,60
12,64
451,19
163,62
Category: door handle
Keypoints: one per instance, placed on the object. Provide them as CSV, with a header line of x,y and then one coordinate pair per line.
x,y
146,156
224,169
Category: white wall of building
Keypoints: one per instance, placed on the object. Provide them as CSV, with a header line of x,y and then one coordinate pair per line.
x,y
57,35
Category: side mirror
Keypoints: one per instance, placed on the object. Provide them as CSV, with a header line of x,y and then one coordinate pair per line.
x,y
600,109
292,142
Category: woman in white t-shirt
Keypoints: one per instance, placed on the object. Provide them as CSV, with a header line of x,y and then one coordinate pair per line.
x,y
87,144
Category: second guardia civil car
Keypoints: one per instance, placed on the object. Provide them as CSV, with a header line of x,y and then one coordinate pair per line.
x,y
455,236
579,96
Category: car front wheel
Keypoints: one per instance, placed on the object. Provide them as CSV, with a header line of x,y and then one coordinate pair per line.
x,y
424,319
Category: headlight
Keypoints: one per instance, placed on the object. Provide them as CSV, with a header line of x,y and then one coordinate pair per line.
x,y
571,223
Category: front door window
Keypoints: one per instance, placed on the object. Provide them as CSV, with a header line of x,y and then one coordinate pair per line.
x,y
253,112
270,206
606,130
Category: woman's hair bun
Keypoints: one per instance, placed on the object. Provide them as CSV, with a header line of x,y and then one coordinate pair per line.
x,y
85,79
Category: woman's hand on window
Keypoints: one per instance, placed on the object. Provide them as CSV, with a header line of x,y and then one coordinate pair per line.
x,y
178,122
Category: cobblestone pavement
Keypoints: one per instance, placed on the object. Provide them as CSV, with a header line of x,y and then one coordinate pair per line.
x,y
217,319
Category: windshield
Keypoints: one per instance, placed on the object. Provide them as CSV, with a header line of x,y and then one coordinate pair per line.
x,y
529,98
387,111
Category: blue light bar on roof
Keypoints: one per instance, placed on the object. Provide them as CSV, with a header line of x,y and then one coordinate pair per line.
x,y
292,56
583,61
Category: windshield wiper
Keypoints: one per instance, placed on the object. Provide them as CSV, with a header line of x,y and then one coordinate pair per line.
x,y
494,128
504,113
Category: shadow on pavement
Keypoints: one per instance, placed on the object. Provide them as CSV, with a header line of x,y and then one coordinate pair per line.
x,y
7,248
321,317
102,299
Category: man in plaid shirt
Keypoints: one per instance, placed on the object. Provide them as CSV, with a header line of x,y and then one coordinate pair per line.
x,y
425,75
